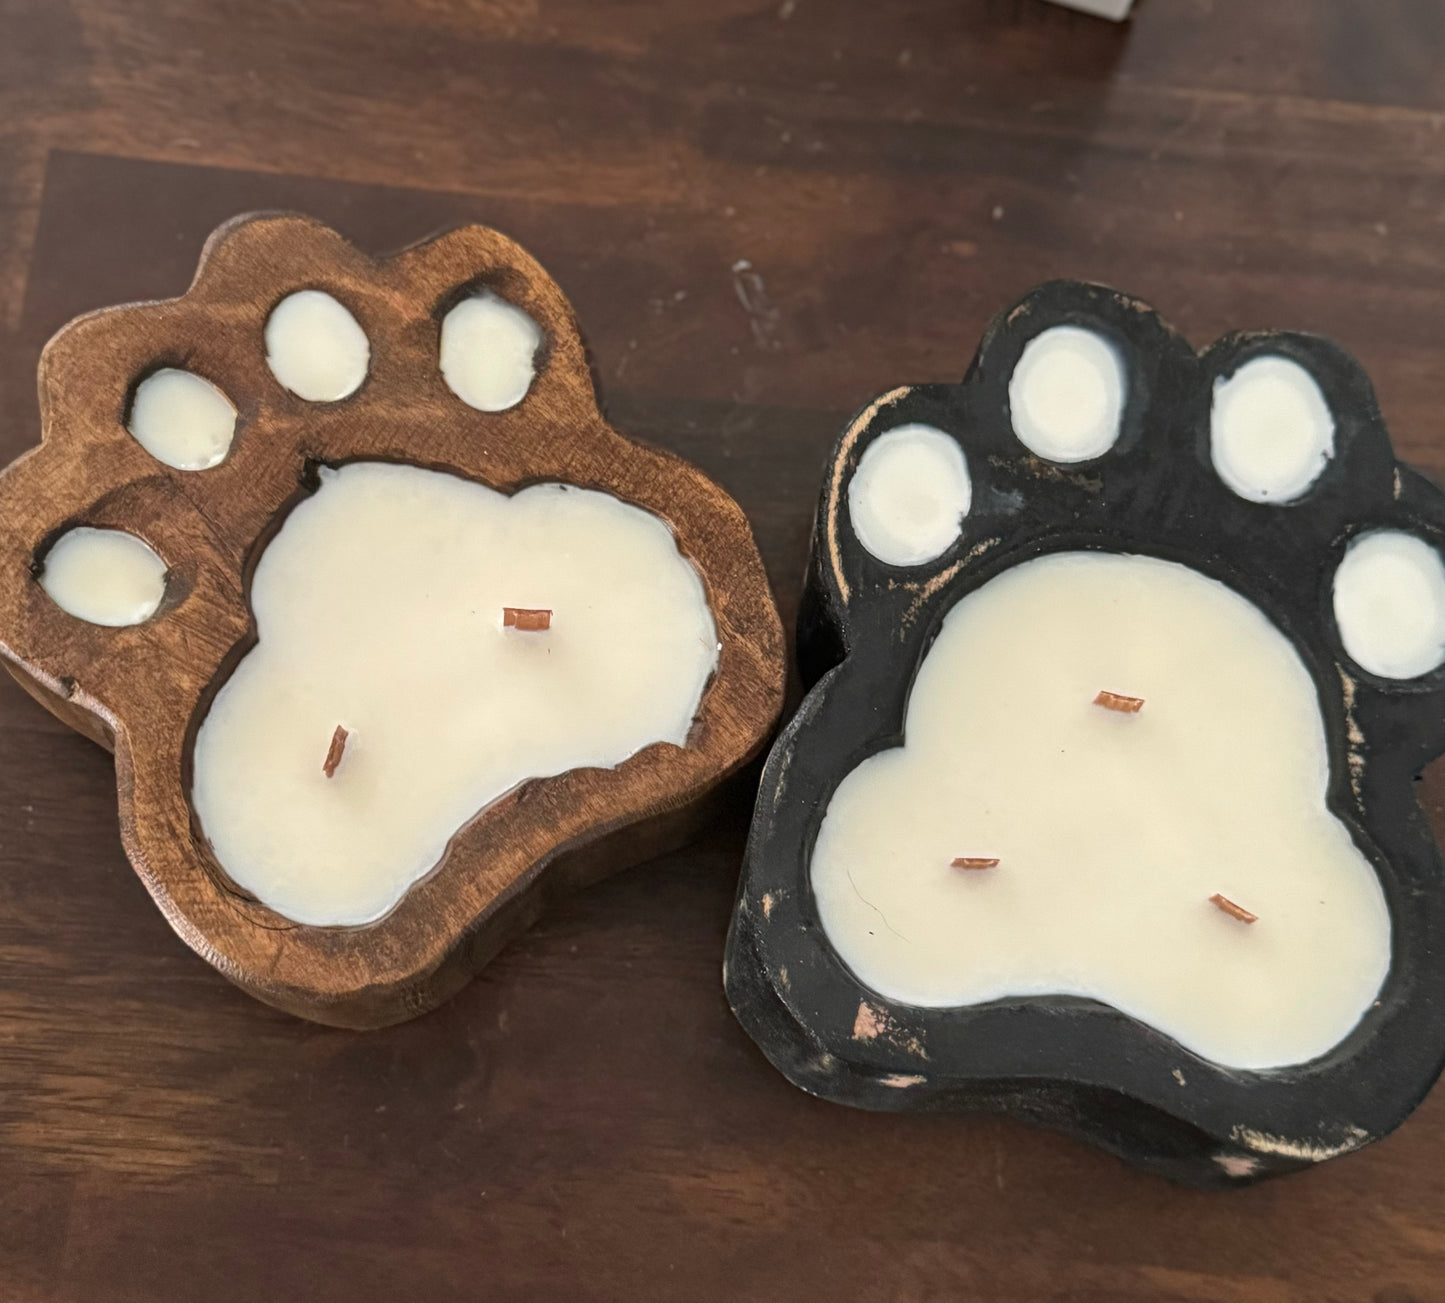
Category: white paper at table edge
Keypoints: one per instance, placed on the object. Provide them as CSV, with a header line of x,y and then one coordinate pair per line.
x,y
1115,9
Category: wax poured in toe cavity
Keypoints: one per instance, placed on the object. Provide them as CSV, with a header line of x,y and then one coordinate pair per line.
x,y
104,576
1112,830
182,420
316,348
1271,431
488,352
379,607
909,494
1389,599
1066,394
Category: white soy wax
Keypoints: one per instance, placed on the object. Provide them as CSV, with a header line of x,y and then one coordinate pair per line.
x,y
488,352
104,576
1271,431
1389,603
908,495
1066,395
182,419
380,610
316,348
1112,830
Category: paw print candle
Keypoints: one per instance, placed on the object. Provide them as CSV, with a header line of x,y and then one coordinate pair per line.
x,y
390,632
1100,807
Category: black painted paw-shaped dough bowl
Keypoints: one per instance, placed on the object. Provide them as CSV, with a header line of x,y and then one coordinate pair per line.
x,y
320,490
1100,808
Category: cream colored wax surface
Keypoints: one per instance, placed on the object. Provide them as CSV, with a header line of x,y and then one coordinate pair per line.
x,y
104,576
1112,830
1271,431
1066,394
182,419
379,607
911,490
488,352
316,348
1389,601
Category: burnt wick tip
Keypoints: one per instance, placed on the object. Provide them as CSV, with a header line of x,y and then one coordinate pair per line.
x,y
1222,902
526,619
974,862
1117,701
335,751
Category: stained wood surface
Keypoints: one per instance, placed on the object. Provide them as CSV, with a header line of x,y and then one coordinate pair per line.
x,y
146,688
764,213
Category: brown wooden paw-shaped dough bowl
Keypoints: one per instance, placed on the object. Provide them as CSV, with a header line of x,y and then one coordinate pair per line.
x,y
144,690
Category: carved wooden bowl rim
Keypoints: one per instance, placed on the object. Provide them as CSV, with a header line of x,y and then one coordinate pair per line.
x,y
144,689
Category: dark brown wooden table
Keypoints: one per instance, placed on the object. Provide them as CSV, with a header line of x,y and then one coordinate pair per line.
x,y
586,1121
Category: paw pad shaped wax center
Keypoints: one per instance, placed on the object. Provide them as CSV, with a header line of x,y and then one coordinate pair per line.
x,y
1100,808
388,566
395,638
1111,832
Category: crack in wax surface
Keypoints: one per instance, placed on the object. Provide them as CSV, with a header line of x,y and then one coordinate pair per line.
x,y
379,607
1111,830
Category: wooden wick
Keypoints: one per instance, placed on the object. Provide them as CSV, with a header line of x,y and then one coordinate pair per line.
x,y
1115,701
974,862
1234,911
527,619
334,752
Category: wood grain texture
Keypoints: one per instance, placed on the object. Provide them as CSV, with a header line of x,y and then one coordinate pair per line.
x,y
586,1121
147,687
